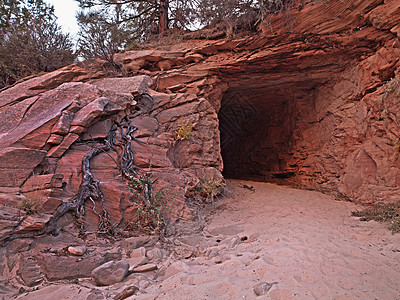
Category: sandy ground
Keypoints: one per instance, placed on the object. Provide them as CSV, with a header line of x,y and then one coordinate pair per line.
x,y
300,244
308,247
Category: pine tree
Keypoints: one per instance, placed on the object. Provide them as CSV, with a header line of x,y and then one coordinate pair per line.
x,y
30,40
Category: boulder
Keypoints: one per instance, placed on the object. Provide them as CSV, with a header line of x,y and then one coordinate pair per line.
x,y
110,273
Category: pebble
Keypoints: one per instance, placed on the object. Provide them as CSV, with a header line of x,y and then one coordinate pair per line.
x,y
143,284
77,250
234,242
212,253
262,288
156,254
139,252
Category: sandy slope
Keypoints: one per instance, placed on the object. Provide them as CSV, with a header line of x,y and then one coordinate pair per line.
x,y
302,243
307,244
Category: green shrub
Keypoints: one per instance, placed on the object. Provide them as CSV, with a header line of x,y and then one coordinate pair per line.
x,y
153,204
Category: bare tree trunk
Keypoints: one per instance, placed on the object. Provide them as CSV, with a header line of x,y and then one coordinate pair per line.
x,y
163,25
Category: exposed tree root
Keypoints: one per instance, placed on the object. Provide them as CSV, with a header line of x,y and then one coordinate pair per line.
x,y
90,189
131,173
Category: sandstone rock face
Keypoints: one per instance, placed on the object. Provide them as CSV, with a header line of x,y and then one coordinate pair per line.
x,y
68,267
42,148
313,104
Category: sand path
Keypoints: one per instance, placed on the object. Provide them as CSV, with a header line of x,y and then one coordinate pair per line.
x,y
304,243
297,244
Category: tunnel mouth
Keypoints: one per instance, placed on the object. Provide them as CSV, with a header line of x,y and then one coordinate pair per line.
x,y
259,129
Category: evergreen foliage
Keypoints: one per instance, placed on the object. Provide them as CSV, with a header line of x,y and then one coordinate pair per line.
x,y
30,40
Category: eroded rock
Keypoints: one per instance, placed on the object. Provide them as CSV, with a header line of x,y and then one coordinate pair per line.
x,y
135,262
69,267
29,271
110,273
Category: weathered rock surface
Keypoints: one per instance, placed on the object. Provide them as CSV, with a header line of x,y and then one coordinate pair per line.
x,y
110,272
127,292
69,267
42,148
29,271
136,262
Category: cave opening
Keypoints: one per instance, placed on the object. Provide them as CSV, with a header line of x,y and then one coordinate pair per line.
x,y
259,129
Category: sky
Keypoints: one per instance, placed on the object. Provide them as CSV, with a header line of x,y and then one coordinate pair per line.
x,y
65,11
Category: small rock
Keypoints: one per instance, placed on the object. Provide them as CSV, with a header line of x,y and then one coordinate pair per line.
x,y
139,252
136,262
262,288
252,238
212,253
234,241
156,254
145,268
127,292
144,283
231,242
77,250
175,268
95,295
222,258
110,273
137,242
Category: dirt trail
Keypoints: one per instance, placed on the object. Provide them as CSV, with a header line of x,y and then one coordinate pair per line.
x,y
307,245
300,244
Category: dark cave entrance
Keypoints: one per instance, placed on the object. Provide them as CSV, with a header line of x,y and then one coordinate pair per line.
x,y
259,130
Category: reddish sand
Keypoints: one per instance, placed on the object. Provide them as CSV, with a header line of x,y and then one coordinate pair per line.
x,y
307,244
303,244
